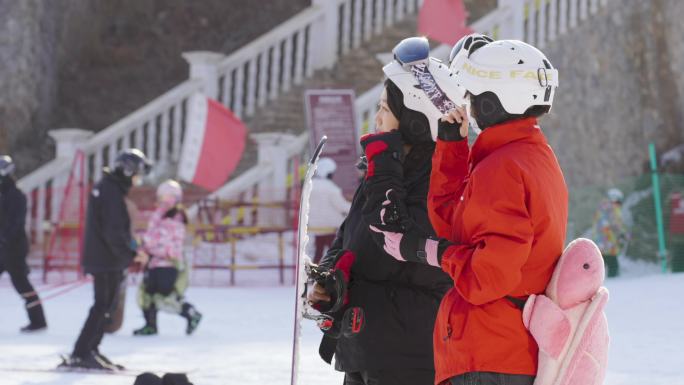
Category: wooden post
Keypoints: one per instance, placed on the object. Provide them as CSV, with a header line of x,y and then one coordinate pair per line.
x,y
233,251
281,257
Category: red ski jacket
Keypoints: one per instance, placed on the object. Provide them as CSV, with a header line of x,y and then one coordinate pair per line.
x,y
505,206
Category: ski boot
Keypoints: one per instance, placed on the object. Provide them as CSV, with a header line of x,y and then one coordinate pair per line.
x,y
35,314
101,357
147,330
33,328
150,327
85,363
193,316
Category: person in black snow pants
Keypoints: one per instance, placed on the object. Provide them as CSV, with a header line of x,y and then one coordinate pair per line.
x,y
383,333
107,251
14,244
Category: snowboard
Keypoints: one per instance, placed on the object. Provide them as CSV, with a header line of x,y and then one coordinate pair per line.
x,y
115,315
302,308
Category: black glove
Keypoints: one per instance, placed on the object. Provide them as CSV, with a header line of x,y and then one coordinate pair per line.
x,y
335,281
449,132
394,215
384,153
402,238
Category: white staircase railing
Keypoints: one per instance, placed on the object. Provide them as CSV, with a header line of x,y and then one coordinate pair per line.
x,y
246,79
291,52
537,22
270,66
156,128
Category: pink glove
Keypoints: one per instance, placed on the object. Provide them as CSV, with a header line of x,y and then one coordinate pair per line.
x,y
409,247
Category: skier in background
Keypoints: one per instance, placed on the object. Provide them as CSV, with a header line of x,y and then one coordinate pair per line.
x,y
608,230
165,276
14,245
327,206
108,250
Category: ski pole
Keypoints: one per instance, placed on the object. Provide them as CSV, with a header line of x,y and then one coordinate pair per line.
x,y
71,286
54,286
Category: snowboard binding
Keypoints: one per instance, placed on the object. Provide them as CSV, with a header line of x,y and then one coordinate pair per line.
x,y
335,318
334,283
324,313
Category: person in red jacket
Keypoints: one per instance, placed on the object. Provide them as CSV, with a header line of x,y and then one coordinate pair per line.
x,y
500,209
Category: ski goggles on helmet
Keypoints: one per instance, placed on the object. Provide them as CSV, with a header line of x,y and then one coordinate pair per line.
x,y
423,80
412,51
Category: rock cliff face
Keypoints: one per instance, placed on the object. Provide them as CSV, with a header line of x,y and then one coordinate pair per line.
x,y
36,37
86,63
621,87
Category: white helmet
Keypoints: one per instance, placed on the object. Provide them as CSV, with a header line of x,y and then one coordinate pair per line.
x,y
6,165
516,72
325,167
423,80
468,44
615,195
170,188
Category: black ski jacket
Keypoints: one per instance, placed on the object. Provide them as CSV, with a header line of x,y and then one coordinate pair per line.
x,y
13,241
400,299
108,244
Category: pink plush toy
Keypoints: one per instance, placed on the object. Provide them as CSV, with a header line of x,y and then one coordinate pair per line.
x,y
568,322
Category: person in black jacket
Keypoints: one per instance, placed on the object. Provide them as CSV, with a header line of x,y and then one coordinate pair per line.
x,y
398,302
107,251
14,244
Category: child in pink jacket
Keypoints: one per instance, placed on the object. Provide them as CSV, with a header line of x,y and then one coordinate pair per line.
x,y
164,282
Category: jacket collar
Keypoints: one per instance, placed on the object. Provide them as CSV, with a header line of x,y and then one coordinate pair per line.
x,y
7,184
120,182
500,135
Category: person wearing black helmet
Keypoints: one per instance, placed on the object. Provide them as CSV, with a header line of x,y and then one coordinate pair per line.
x,y
108,250
14,244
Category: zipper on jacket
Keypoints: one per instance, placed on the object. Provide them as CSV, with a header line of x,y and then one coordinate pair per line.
x,y
448,333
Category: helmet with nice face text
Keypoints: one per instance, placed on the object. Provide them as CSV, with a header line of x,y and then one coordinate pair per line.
x,y
506,79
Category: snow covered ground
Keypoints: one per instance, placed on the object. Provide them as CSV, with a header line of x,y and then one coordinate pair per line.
x,y
245,337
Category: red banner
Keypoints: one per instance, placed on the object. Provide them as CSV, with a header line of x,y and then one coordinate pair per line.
x,y
213,145
443,20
